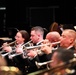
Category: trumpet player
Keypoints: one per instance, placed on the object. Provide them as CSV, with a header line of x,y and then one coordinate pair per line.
x,y
50,38
37,37
62,58
62,63
67,40
37,34
21,37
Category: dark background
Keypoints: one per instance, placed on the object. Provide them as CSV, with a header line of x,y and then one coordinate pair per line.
x,y
24,14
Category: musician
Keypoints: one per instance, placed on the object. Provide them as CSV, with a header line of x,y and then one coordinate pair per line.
x,y
56,27
21,37
37,34
62,57
67,39
50,38
62,62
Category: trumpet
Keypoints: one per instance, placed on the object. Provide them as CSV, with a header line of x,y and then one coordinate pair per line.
x,y
68,67
2,51
41,64
16,54
13,55
27,43
8,44
3,55
29,48
25,49
8,53
33,47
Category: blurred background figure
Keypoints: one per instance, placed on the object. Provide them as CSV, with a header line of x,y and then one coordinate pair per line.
x,y
5,70
2,61
63,63
62,57
56,27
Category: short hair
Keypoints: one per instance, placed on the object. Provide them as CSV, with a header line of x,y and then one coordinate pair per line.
x,y
25,35
72,33
64,54
38,29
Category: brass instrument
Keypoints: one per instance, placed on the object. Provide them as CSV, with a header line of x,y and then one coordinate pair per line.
x,y
40,72
13,55
5,70
3,55
16,54
26,48
2,51
41,64
27,43
33,47
8,44
29,48
8,53
62,66
75,55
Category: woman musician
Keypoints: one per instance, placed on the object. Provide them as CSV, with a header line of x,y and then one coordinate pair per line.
x,y
25,65
21,37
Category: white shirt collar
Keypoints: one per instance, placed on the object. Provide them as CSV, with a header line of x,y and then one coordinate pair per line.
x,y
39,42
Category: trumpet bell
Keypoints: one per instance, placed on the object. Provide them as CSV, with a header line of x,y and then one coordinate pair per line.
x,y
41,64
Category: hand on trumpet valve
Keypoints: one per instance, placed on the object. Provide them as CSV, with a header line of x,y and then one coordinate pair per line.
x,y
19,49
6,48
46,48
32,53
